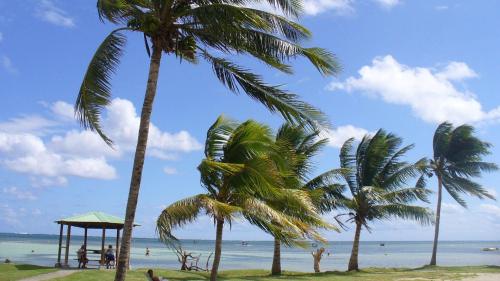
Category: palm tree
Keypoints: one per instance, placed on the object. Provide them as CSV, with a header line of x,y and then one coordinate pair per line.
x,y
376,178
298,146
457,158
193,30
238,175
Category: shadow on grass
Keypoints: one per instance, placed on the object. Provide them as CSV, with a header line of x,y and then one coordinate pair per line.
x,y
29,267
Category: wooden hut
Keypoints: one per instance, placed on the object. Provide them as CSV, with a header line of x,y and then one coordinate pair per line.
x,y
91,220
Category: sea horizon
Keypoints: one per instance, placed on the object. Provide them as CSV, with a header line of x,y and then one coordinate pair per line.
x,y
41,249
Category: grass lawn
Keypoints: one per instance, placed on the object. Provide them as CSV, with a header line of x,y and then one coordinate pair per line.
x,y
10,272
371,274
15,272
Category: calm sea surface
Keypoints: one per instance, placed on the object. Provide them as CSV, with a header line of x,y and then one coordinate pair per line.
x,y
42,250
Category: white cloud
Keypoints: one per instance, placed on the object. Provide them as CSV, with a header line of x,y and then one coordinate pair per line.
x,y
489,209
49,12
388,4
170,171
19,194
431,94
441,7
314,7
63,109
33,124
29,145
450,208
37,181
82,143
339,135
27,153
122,125
7,65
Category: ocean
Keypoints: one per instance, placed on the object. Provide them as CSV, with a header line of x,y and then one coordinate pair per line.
x,y
41,249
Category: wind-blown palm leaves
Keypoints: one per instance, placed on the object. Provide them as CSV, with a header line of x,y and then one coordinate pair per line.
x,y
193,30
376,178
297,146
240,174
457,158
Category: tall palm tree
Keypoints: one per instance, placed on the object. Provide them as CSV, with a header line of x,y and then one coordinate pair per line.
x,y
377,180
458,157
298,146
238,175
193,30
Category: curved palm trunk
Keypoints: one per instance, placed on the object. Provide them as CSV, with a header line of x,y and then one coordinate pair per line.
x,y
353,261
218,250
276,268
140,153
438,218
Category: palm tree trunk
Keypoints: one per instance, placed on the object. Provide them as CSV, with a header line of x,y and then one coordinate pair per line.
x,y
276,268
353,261
140,153
438,218
218,250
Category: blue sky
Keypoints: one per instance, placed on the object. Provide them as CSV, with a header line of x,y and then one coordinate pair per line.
x,y
407,66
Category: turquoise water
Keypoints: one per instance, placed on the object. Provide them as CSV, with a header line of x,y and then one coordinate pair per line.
x,y
258,254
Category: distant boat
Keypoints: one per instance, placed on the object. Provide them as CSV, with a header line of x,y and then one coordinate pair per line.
x,y
489,249
244,243
382,244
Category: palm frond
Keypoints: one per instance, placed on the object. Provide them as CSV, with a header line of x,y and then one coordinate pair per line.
x,y
176,215
95,91
275,99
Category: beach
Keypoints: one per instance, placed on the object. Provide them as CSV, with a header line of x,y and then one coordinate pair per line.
x,y
258,254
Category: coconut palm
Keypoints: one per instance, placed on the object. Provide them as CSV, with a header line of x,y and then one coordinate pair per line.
x,y
193,30
238,175
377,181
458,157
298,146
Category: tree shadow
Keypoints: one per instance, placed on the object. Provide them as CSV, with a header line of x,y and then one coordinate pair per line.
x,y
29,267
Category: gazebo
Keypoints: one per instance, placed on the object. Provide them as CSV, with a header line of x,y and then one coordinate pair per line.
x,y
91,220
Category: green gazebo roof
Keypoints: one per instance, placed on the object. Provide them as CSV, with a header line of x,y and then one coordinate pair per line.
x,y
94,220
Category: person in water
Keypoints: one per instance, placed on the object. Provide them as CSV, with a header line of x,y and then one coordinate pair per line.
x,y
152,276
147,252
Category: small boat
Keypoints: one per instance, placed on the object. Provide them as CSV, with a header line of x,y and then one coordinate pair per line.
x,y
382,244
244,243
489,249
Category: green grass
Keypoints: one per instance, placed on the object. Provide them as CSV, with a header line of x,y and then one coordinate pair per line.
x,y
15,272
370,274
9,272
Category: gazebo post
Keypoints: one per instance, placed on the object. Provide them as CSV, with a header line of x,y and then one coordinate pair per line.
x,y
85,239
66,254
102,244
58,264
117,241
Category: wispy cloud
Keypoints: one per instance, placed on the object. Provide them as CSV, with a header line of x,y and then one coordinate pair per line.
x,y
441,7
170,170
7,64
49,12
18,193
388,4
